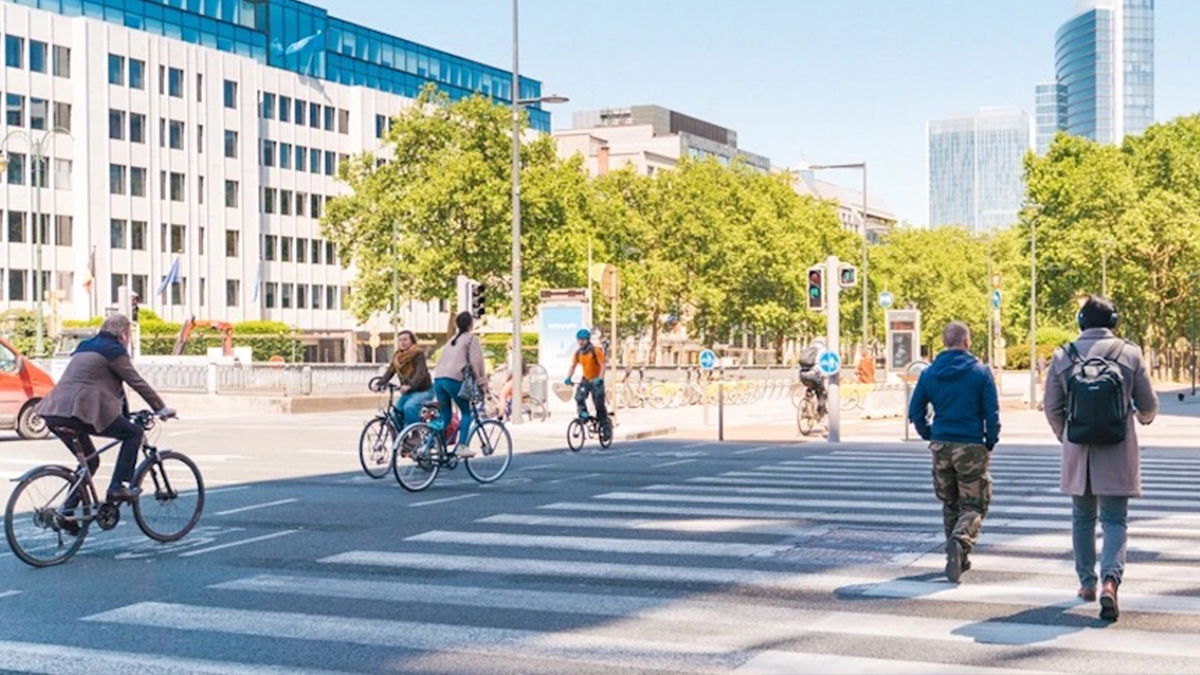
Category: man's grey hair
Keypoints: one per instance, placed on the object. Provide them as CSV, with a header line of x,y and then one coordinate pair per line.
x,y
117,324
955,335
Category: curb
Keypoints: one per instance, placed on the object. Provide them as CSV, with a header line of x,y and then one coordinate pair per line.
x,y
648,433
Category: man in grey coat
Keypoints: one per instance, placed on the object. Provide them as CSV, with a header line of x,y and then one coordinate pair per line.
x,y
1101,477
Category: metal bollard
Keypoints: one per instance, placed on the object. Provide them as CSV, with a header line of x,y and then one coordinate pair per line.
x,y
721,410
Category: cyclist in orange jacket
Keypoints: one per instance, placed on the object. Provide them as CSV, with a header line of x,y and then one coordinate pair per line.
x,y
591,357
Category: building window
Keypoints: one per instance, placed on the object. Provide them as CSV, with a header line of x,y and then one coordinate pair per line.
x,y
199,139
301,198
233,292
285,108
268,106
316,251
286,297
16,284
175,134
175,82
269,196
199,87
177,186
301,158
329,118
299,110
285,249
116,125
14,51
232,243
16,168
61,61
200,189
162,79
37,172
315,206
272,292
230,90
329,163
268,153
343,121
140,281
37,56
231,144
62,174
14,110
270,242
116,230
16,227
137,127
62,115
314,161
330,253
380,126
285,155
39,113
116,178
331,297
137,235
64,230
116,69
314,115
178,290
137,74
41,232
137,181
200,244
116,281
162,132
301,296
316,296
285,202
178,238
231,194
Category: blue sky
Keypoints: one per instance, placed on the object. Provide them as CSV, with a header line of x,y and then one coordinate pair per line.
x,y
826,81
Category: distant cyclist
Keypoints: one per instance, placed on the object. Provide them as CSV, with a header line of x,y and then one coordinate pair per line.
x,y
89,398
591,358
811,376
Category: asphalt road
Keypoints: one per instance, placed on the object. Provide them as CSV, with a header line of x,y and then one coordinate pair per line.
x,y
658,555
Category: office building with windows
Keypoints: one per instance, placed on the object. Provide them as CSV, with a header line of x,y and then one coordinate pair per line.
x,y
1104,72
650,138
205,136
1050,113
975,169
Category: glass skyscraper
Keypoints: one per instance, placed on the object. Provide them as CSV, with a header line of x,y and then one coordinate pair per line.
x,y
1050,107
1104,72
975,170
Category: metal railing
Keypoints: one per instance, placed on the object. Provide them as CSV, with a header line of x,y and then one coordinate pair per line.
x,y
193,378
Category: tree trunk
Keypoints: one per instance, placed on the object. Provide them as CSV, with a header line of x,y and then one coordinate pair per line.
x,y
654,339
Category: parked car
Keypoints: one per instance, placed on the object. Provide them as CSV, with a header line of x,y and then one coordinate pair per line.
x,y
22,385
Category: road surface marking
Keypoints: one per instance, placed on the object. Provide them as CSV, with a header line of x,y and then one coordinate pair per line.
x,y
538,466
582,475
674,463
602,544
772,661
33,657
240,542
749,451
442,500
9,594
253,507
748,525
696,445
234,488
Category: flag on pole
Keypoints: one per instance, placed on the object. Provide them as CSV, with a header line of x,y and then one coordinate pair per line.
x,y
89,279
257,281
171,277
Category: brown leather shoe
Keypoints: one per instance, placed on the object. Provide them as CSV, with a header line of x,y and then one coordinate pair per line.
x,y
1109,611
1087,594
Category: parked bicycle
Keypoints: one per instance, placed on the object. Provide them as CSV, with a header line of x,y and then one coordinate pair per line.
x,y
421,451
52,508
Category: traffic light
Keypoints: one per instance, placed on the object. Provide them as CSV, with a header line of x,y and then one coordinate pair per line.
x,y
848,276
477,299
816,288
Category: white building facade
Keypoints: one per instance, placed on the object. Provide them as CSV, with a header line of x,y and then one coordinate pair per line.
x,y
203,144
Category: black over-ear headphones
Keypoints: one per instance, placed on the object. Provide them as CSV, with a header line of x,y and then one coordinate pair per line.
x,y
1112,320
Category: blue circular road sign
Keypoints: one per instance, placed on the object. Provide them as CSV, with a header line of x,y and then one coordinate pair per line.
x,y
829,362
886,300
708,359
996,297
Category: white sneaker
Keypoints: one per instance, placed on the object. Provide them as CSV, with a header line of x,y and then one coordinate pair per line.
x,y
463,451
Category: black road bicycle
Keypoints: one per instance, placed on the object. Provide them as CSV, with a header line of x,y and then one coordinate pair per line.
x,y
52,507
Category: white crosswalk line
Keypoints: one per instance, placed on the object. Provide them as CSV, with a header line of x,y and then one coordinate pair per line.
x,y
781,527
795,621
1150,492
1002,457
1141,571
601,544
32,657
773,662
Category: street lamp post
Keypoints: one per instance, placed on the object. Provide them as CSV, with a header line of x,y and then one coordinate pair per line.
x,y
37,155
866,305
517,103
1033,307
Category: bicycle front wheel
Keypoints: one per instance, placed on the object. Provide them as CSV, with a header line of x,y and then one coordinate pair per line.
x,y
36,524
576,435
806,417
493,451
172,496
415,458
375,447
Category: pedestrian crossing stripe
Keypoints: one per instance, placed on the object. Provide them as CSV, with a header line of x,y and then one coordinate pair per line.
x,y
33,657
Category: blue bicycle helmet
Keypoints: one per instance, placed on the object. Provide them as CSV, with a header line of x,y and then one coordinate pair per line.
x,y
583,334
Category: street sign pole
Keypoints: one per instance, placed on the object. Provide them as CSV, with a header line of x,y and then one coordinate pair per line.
x,y
834,329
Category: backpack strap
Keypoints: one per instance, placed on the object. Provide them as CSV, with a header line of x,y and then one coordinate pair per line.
x,y
1072,353
1115,350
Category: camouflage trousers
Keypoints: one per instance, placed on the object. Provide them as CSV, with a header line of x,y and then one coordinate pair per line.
x,y
961,480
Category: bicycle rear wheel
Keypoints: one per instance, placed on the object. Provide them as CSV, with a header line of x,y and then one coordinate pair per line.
x,y
493,451
172,496
35,522
415,459
375,447
535,410
806,417
605,432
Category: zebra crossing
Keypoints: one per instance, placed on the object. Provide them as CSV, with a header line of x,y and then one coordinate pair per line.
x,y
826,563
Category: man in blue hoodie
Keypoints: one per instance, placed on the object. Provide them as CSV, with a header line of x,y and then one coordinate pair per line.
x,y
965,428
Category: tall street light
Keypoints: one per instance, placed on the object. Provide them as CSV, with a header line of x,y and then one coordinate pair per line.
x,y
37,153
517,104
1035,210
866,305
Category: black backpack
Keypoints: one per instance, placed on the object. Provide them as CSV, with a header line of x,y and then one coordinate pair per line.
x,y
1097,407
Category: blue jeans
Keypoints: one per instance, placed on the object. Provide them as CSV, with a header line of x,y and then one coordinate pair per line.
x,y
408,406
446,390
1113,511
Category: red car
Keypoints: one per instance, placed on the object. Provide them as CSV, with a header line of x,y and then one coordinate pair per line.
x,y
22,385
